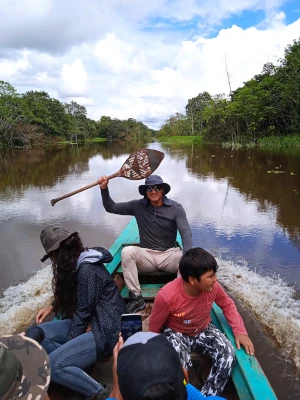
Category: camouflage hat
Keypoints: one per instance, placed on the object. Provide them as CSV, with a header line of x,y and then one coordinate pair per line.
x,y
52,236
24,369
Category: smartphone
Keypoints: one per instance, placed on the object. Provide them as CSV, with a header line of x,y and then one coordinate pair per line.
x,y
130,324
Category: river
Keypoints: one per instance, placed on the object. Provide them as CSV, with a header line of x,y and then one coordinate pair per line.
x,y
243,206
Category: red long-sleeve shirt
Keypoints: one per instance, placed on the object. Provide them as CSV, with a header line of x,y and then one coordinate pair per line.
x,y
174,309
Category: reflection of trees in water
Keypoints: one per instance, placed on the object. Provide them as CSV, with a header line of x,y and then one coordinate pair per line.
x,y
121,148
42,166
45,166
247,171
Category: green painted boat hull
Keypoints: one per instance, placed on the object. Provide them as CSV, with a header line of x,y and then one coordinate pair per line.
x,y
249,379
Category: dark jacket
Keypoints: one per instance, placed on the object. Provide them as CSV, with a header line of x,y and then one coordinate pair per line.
x,y
99,303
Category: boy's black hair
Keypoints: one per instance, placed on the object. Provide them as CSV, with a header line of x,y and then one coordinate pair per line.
x,y
165,391
195,262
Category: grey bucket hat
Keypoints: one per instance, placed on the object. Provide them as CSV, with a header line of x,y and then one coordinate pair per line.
x,y
52,236
154,180
24,369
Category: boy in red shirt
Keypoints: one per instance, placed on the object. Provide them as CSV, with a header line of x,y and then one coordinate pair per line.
x,y
181,312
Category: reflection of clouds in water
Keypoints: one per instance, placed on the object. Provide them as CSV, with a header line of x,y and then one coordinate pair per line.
x,y
207,201
226,223
218,213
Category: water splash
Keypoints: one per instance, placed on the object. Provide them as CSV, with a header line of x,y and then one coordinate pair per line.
x,y
20,304
270,299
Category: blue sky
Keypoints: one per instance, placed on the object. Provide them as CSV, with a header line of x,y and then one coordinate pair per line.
x,y
244,19
249,18
139,58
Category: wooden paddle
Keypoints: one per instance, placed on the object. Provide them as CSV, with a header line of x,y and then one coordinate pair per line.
x,y
138,165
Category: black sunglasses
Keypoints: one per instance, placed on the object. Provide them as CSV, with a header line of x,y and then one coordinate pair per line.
x,y
156,188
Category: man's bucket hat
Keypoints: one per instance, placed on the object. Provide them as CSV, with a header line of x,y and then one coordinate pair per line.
x,y
24,369
153,180
52,236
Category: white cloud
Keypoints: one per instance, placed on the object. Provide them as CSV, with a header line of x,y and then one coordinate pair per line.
x,y
9,68
74,79
195,66
119,56
144,61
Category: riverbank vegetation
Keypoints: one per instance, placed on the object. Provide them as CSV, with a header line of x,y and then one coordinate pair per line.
x,y
34,118
182,140
89,140
264,111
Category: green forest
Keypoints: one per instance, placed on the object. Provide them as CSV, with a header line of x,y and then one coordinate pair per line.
x,y
34,118
265,110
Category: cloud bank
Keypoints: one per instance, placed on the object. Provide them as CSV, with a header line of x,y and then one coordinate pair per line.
x,y
137,58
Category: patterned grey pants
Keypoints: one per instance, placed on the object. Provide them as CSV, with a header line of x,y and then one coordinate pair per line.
x,y
212,343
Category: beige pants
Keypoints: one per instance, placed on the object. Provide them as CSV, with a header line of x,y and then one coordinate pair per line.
x,y
136,259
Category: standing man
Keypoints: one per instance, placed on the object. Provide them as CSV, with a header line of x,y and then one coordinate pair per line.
x,y
158,219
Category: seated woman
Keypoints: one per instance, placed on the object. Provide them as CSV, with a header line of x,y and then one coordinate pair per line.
x,y
86,295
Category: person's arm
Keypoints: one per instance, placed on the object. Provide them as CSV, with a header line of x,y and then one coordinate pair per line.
x,y
234,319
124,208
159,314
184,229
115,392
88,286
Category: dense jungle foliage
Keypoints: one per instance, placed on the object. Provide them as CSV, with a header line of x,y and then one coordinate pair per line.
x,y
267,106
36,118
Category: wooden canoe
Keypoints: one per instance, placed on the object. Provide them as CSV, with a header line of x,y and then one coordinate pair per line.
x,y
248,379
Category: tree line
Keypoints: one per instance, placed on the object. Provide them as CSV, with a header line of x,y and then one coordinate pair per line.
x,y
267,105
36,118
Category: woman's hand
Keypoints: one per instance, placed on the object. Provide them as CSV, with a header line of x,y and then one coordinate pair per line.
x,y
246,342
43,313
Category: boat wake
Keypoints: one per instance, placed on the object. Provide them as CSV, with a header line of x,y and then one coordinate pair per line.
x,y
20,304
270,299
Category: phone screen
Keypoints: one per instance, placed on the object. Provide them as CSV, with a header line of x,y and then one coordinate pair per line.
x,y
130,324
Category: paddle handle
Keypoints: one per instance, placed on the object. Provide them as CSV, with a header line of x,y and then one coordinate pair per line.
x,y
54,201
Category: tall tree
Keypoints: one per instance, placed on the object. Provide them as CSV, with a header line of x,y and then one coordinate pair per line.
x,y
78,123
194,110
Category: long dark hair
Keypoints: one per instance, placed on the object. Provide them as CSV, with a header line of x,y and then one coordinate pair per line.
x,y
64,261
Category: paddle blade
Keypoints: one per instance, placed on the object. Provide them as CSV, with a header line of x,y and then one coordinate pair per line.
x,y
141,164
